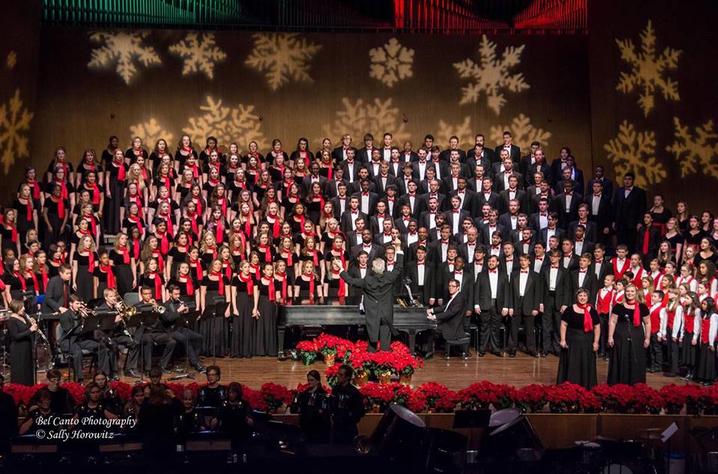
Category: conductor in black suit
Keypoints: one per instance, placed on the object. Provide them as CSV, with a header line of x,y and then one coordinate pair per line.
x,y
378,287
450,318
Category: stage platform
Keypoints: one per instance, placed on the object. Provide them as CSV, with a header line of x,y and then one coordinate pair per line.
x,y
455,373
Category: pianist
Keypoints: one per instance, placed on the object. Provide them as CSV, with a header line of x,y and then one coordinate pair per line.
x,y
378,288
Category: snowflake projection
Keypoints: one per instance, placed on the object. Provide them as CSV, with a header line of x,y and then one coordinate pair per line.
x,y
200,53
391,62
376,117
648,70
523,132
14,123
150,131
239,124
11,60
492,76
124,50
462,130
634,151
283,57
697,151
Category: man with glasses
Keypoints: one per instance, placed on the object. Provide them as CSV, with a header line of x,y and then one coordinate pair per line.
x,y
450,318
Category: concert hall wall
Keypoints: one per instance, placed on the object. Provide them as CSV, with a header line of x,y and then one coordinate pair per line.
x,y
663,122
325,85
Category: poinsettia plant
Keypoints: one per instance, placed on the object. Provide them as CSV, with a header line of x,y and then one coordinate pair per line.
x,y
531,398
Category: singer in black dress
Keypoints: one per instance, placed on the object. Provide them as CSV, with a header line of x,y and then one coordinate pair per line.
x,y
266,307
629,332
580,333
244,324
20,331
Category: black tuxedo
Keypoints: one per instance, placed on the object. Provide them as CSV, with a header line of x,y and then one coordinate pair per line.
x,y
591,230
515,153
558,205
590,283
379,184
504,198
373,199
604,218
374,252
543,235
586,248
348,218
480,200
191,340
428,289
440,198
523,306
364,155
629,212
55,295
73,341
467,202
450,216
607,186
499,182
338,154
605,269
331,188
553,301
489,155
351,173
531,170
450,317
418,207
484,230
307,183
336,202
490,309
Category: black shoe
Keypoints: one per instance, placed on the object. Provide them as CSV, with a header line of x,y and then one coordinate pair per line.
x,y
482,354
132,373
497,353
464,356
200,368
512,354
532,353
428,355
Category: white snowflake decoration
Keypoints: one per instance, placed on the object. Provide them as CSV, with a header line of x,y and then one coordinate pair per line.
x,y
695,152
14,124
376,117
150,131
283,57
123,50
239,124
11,60
462,131
391,62
522,132
200,53
648,70
492,76
635,152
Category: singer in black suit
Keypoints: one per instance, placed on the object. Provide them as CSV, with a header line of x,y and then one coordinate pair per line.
x,y
629,206
492,300
451,317
524,305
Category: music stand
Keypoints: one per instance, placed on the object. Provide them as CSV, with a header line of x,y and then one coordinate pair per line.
x,y
186,320
146,317
472,423
211,312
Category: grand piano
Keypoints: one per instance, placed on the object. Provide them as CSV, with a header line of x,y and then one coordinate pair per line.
x,y
407,320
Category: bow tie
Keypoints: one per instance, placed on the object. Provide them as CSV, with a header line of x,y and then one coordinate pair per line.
x,y
582,271
524,271
365,194
554,266
509,260
599,261
544,214
458,272
492,271
539,259
420,262
445,242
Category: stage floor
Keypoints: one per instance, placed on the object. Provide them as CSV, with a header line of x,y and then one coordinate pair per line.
x,y
455,373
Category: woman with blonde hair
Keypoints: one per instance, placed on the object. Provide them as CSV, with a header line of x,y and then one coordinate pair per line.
x,y
83,267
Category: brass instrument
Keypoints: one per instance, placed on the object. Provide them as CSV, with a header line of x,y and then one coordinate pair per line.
x,y
125,312
157,308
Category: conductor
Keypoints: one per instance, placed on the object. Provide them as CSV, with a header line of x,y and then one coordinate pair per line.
x,y
378,288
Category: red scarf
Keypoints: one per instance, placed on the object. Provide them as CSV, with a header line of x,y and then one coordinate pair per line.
x,y
219,231
249,282
96,195
587,321
23,284
135,198
188,149
195,170
197,264
28,207
223,205
168,182
220,280
110,276
90,260
198,205
636,313
646,240
158,284
60,206
35,186
168,219
125,254
137,222
136,249
257,273
289,258
193,220
227,269
35,283
272,292
267,252
93,224
164,242
276,226
189,285
301,220
311,287
121,171
13,233
315,258
44,275
160,260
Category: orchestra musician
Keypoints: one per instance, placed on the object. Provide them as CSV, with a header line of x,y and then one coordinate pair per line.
x,y
74,341
122,336
191,340
21,329
153,334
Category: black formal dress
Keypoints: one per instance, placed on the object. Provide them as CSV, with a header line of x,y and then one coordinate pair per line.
x,y
21,339
628,358
244,326
265,338
577,363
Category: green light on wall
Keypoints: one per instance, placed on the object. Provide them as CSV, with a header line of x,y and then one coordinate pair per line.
x,y
141,12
